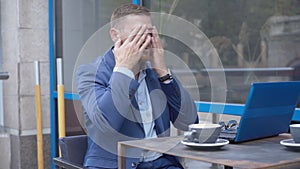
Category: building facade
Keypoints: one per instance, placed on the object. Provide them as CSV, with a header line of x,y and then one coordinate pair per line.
x,y
25,39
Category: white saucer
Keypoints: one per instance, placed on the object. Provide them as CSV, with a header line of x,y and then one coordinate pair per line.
x,y
219,143
290,143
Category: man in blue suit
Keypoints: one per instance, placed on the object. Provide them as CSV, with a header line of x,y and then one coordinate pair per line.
x,y
128,93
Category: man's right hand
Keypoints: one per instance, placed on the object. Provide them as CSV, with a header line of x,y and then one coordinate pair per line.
x,y
129,53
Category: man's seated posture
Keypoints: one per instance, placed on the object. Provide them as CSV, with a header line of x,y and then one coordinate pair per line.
x,y
128,93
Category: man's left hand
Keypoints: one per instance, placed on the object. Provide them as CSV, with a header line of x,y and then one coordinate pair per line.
x,y
158,58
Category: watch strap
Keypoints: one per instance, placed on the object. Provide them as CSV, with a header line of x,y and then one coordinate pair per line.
x,y
165,77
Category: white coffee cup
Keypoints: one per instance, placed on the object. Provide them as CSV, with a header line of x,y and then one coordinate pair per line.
x,y
295,132
203,133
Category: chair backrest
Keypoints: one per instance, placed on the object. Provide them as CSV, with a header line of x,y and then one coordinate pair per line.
x,y
73,148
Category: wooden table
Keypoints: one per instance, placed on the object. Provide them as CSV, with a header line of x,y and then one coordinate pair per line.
x,y
262,153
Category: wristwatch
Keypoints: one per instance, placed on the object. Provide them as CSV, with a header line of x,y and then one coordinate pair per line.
x,y
165,77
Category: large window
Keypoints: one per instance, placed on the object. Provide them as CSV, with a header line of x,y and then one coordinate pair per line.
x,y
254,41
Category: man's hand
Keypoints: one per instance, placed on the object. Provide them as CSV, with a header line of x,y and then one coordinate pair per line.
x,y
129,53
158,58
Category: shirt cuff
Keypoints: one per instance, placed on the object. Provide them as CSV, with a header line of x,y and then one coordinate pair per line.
x,y
125,71
167,81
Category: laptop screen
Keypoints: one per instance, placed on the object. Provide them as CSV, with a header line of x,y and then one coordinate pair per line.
x,y
268,110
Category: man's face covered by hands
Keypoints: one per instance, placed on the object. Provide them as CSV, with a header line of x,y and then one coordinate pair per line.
x,y
142,23
137,41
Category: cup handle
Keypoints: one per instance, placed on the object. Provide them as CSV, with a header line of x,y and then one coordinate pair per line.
x,y
191,136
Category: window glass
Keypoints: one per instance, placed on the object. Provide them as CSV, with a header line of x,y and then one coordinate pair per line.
x,y
76,21
255,41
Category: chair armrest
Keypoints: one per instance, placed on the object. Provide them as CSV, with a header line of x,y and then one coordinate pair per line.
x,y
73,149
58,161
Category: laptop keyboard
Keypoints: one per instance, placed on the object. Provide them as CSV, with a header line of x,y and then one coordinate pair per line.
x,y
229,130
228,134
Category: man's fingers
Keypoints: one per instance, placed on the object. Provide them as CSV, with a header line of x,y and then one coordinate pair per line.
x,y
154,32
141,40
154,43
155,38
118,43
140,34
133,34
146,43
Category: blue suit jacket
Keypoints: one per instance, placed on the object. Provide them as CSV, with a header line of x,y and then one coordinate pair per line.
x,y
112,114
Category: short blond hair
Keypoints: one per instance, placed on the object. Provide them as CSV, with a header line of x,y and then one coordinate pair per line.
x,y
127,9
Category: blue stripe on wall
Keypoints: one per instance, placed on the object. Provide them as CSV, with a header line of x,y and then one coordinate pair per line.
x,y
231,109
137,2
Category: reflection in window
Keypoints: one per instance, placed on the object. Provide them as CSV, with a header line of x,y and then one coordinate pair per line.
x,y
246,34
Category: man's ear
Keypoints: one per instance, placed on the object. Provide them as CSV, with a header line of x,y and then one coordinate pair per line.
x,y
114,34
